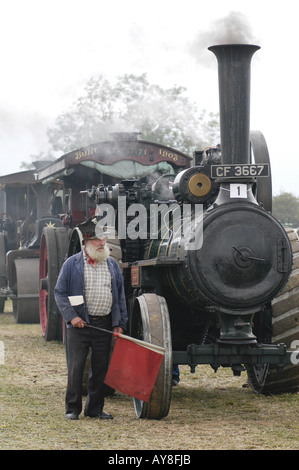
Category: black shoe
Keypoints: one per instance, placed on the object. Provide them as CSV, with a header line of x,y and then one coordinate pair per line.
x,y
71,416
103,415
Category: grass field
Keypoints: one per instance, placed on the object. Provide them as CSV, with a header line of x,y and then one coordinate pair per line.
x,y
208,411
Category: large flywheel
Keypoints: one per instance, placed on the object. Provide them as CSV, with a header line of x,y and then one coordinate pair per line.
x,y
53,250
261,155
150,322
75,243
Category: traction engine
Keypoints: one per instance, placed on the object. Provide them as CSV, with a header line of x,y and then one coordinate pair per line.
x,y
202,255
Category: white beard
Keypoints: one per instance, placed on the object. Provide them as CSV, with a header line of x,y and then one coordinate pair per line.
x,y
96,254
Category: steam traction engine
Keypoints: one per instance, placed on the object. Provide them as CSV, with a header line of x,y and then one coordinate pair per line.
x,y
40,208
202,285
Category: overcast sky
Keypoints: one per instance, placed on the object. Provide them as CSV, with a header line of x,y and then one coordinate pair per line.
x,y
50,48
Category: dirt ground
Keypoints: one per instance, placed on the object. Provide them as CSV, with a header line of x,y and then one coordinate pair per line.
x,y
208,411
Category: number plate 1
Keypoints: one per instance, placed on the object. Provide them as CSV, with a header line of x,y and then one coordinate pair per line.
x,y
238,190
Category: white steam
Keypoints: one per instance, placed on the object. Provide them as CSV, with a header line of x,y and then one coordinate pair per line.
x,y
232,29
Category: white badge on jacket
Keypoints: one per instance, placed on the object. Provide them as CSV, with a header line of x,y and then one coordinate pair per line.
x,y
76,300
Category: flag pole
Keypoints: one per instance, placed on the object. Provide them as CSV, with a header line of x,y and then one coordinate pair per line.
x,y
153,347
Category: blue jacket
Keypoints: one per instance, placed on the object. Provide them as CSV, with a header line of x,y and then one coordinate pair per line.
x,y
70,282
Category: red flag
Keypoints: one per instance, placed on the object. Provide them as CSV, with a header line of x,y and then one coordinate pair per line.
x,y
134,367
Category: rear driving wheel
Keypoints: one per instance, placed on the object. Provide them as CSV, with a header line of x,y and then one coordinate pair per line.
x,y
53,249
285,326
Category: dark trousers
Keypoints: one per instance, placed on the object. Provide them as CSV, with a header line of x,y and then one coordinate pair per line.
x,y
79,341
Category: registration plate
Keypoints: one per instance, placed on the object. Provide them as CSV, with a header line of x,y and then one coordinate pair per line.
x,y
239,171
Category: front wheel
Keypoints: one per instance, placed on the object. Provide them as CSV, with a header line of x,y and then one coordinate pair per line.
x,y
150,322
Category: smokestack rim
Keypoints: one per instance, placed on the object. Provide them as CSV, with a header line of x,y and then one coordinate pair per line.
x,y
233,45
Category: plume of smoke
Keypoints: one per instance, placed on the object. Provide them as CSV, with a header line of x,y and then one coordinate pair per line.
x,y
231,29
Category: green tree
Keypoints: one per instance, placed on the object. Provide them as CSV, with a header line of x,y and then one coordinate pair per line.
x,y
133,104
286,209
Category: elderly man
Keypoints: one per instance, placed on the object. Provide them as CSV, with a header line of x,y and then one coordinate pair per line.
x,y
90,290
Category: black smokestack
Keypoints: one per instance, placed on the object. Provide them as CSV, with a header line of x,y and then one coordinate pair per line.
x,y
234,98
